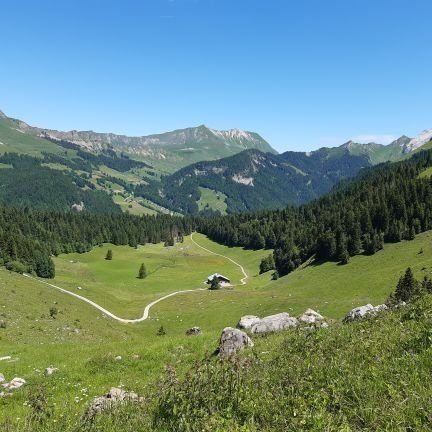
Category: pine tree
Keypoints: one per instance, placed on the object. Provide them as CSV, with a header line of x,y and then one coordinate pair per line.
x,y
407,288
161,331
109,255
142,273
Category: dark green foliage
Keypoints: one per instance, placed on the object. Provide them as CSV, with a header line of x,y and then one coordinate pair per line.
x,y
109,255
427,284
278,180
43,265
267,264
28,238
387,203
53,312
408,288
161,331
29,184
142,272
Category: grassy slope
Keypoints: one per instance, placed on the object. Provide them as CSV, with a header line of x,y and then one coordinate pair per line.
x,y
85,358
212,200
15,141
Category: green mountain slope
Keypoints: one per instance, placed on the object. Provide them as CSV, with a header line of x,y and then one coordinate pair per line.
x,y
253,180
168,151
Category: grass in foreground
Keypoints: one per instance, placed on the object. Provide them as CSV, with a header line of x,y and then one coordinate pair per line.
x,y
82,343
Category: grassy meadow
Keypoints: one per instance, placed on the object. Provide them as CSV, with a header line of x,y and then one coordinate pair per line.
x,y
83,343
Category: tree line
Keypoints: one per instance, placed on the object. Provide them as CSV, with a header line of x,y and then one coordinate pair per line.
x,y
387,203
29,238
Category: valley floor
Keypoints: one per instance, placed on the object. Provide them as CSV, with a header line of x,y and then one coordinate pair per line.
x,y
83,343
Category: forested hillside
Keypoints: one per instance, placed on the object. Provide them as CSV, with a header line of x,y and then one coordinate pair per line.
x,y
253,180
28,238
385,204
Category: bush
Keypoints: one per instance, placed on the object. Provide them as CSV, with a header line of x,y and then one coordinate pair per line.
x,y
16,266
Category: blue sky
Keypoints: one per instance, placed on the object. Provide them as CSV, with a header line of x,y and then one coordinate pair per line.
x,y
303,73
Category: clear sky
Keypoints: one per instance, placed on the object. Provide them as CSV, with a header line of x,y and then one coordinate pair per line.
x,y
302,73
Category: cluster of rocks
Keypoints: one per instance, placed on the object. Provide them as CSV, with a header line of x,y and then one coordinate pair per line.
x,y
364,311
10,386
113,398
235,339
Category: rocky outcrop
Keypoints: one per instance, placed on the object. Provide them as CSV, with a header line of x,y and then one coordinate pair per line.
x,y
364,311
248,321
114,398
233,340
311,317
194,331
274,323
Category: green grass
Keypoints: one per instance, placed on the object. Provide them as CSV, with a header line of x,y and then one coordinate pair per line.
x,y
82,342
133,207
210,199
12,140
426,173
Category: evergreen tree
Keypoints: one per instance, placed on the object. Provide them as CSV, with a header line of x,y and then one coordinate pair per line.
x,y
109,255
161,331
142,273
407,288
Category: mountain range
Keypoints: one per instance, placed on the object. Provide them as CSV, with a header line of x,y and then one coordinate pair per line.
x,y
188,170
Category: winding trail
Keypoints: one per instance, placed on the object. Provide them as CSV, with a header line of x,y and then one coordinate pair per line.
x,y
146,312
245,276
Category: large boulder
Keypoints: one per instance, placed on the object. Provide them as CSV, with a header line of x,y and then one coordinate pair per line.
x,y
364,311
233,340
108,401
274,323
248,321
311,317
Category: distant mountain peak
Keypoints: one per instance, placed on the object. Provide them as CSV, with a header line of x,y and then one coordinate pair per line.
x,y
418,141
2,114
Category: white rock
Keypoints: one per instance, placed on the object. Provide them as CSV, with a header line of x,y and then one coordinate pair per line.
x,y
5,358
233,340
15,384
364,311
2,378
115,397
311,317
274,323
248,321
118,358
50,371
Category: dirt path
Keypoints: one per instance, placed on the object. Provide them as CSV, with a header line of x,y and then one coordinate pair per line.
x,y
146,312
245,276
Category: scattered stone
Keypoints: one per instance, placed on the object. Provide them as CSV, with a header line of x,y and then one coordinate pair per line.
x,y
5,358
364,311
248,321
115,397
194,331
50,371
233,340
15,384
274,323
2,378
118,358
311,317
